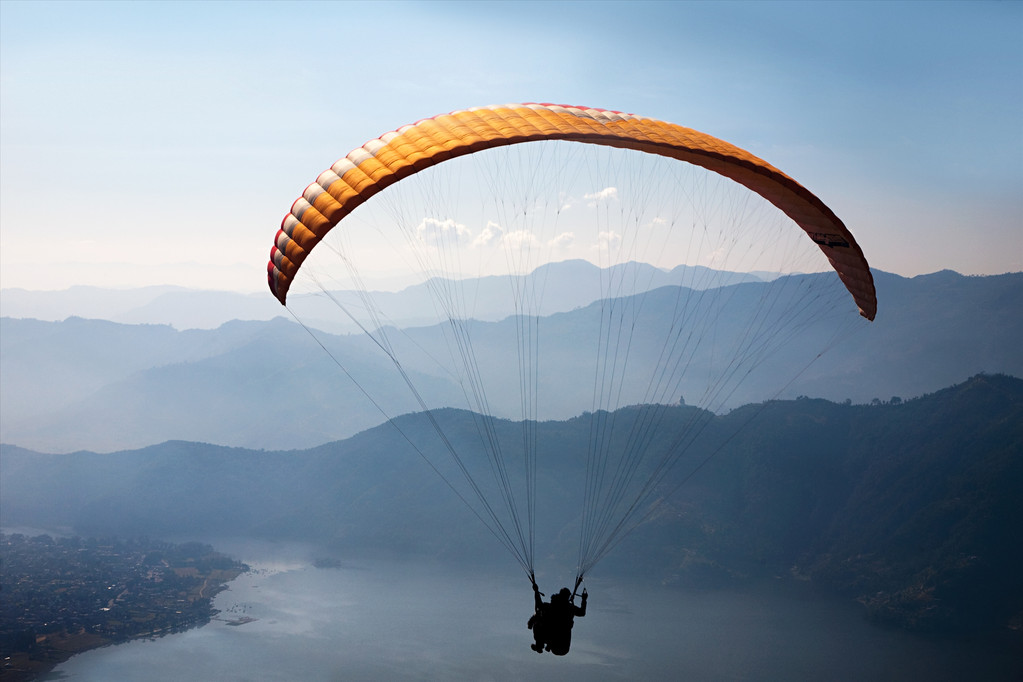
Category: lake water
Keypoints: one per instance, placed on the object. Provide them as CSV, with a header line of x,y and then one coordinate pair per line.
x,y
397,621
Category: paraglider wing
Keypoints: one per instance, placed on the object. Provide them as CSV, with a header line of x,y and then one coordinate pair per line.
x,y
398,154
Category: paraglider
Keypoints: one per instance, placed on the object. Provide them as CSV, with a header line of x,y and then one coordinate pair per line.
x,y
692,325
552,621
382,162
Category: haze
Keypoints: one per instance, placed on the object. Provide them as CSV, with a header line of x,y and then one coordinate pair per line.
x,y
148,152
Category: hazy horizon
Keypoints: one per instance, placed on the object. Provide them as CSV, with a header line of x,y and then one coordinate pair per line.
x,y
878,108
860,469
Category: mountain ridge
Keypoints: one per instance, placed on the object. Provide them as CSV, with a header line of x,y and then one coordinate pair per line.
x,y
909,506
107,386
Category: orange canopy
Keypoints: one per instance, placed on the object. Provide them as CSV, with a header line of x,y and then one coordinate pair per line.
x,y
396,155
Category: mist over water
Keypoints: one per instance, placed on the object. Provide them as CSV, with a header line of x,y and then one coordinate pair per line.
x,y
389,620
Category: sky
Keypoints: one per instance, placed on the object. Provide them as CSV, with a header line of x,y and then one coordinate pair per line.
x,y
161,143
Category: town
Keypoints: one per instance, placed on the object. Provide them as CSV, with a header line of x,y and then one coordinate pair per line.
x,y
65,595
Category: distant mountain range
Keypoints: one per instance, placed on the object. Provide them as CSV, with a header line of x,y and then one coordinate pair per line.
x,y
568,285
910,506
101,385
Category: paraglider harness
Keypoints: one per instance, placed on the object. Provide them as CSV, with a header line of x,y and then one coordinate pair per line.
x,y
556,639
575,590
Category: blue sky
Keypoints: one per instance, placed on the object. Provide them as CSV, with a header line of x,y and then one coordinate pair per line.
x,y
160,143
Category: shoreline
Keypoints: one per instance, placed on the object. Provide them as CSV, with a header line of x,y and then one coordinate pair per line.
x,y
60,605
58,648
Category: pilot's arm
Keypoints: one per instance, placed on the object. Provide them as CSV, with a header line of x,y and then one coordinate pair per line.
x,y
581,610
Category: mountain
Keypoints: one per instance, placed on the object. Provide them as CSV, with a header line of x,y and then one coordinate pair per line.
x,y
568,285
105,385
163,305
95,384
912,507
909,507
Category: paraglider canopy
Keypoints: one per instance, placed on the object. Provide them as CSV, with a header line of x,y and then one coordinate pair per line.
x,y
398,154
737,279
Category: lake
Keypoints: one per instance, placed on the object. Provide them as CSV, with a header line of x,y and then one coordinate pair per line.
x,y
389,620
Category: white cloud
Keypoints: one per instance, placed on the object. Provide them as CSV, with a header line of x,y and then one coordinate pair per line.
x,y
488,235
608,241
516,239
433,231
565,240
606,194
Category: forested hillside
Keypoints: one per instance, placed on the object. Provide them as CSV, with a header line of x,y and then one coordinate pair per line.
x,y
910,506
